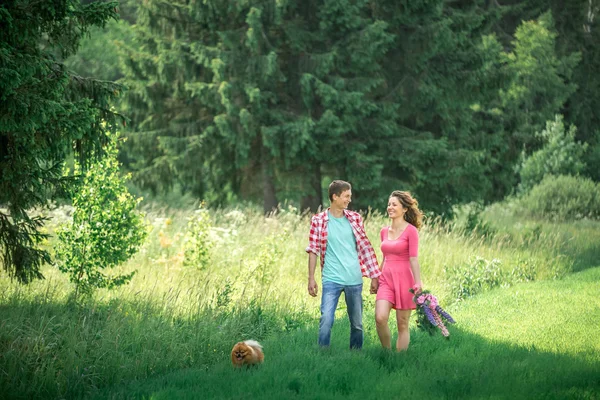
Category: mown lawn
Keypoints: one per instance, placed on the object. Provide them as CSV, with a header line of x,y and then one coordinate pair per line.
x,y
534,340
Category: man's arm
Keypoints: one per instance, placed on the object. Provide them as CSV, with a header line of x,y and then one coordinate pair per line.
x,y
370,259
313,289
313,251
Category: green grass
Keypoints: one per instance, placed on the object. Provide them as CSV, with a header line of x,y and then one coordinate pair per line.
x,y
174,324
532,341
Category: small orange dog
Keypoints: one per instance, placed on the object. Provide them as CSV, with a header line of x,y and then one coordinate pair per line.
x,y
248,352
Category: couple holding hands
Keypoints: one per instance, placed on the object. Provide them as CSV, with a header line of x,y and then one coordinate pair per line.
x,y
338,236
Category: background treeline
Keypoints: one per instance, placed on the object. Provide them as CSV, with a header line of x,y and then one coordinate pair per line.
x,y
267,100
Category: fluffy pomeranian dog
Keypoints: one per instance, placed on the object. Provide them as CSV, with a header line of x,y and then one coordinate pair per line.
x,y
248,352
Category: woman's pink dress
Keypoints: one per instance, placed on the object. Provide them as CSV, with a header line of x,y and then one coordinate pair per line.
x,y
397,275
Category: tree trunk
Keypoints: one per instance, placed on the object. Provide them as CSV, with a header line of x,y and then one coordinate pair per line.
x,y
313,200
270,202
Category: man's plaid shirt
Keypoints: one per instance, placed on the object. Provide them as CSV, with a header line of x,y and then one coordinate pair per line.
x,y
317,241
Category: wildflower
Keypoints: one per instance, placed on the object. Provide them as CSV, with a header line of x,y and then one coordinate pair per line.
x,y
444,314
430,314
165,241
433,302
441,325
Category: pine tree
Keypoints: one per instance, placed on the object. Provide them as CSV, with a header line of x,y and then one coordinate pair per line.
x,y
264,100
46,112
279,90
537,85
172,102
576,29
440,68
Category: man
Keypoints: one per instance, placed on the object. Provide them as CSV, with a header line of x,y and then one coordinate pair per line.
x,y
340,234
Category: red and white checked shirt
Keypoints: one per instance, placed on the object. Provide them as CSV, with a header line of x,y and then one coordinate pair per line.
x,y
317,241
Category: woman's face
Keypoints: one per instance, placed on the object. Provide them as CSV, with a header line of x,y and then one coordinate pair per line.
x,y
395,209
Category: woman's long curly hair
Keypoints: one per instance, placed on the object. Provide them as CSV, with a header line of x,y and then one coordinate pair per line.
x,y
413,216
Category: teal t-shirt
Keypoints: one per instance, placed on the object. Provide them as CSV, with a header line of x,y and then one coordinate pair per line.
x,y
341,258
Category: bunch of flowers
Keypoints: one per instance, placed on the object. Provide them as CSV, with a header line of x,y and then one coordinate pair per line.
x,y
429,312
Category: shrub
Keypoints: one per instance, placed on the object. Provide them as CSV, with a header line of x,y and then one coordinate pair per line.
x,y
563,198
197,240
105,230
561,155
480,275
472,278
477,225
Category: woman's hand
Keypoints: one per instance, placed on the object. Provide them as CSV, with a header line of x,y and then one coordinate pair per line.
x,y
418,287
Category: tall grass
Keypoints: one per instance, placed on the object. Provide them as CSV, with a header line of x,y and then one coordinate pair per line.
x,y
173,316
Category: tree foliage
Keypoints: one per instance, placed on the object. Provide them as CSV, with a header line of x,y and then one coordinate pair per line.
x,y
271,97
265,100
46,114
575,22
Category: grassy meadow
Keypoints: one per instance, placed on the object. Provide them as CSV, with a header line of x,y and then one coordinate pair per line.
x,y
525,295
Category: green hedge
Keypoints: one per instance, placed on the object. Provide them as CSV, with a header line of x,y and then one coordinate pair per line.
x,y
563,198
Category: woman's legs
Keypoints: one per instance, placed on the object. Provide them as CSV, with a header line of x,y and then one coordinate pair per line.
x,y
382,315
402,318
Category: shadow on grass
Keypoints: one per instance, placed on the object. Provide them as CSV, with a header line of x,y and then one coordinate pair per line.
x,y
467,366
585,258
52,350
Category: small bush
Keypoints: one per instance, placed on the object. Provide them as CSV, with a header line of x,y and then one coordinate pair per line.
x,y
480,275
469,279
561,155
475,224
198,245
563,198
524,271
106,230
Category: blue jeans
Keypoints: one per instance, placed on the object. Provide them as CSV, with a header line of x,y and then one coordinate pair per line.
x,y
354,302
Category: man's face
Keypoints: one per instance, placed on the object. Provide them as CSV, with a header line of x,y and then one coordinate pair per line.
x,y
343,199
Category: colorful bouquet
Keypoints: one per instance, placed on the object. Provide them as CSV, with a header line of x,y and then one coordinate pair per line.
x,y
429,312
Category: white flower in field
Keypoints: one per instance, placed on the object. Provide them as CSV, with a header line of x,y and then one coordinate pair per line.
x,y
271,221
236,217
217,234
159,221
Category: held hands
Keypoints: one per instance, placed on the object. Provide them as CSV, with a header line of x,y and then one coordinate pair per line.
x,y
374,285
313,288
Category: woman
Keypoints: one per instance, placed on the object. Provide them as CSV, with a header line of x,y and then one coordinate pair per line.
x,y
401,270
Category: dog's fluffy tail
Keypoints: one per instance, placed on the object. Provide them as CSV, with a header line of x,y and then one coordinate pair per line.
x,y
253,343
